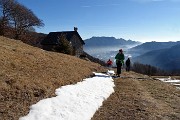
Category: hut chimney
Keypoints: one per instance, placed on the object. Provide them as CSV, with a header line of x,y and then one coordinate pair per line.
x,y
75,28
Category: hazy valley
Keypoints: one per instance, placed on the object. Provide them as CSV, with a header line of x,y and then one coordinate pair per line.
x,y
106,48
164,55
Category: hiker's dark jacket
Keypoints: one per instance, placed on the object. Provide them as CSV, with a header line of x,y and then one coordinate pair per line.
x,y
128,62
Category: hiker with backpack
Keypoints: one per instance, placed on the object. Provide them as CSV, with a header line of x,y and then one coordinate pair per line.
x,y
128,64
109,63
119,61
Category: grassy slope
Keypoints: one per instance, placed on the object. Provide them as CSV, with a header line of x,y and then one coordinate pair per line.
x,y
29,74
138,97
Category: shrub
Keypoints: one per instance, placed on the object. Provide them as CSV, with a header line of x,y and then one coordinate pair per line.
x,y
148,69
63,46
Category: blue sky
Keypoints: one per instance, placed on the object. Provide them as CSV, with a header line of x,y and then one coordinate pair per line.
x,y
139,20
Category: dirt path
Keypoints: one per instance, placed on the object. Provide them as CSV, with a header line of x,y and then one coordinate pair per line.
x,y
137,97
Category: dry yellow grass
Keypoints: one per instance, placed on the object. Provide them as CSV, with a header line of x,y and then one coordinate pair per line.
x,y
139,97
29,74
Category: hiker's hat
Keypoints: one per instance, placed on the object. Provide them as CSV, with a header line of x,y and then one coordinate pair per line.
x,y
120,50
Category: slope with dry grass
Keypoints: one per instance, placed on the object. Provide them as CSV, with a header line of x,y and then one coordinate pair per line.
x,y
29,74
139,97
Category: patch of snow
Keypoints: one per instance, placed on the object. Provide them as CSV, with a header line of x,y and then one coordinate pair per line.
x,y
172,81
176,84
169,80
110,72
74,102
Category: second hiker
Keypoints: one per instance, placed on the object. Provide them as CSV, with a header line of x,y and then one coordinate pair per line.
x,y
128,64
119,61
109,63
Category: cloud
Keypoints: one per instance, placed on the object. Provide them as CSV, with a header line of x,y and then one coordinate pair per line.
x,y
100,5
156,0
86,6
148,0
118,4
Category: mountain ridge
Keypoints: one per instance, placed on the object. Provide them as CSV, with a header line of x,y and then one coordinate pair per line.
x,y
167,58
107,41
149,46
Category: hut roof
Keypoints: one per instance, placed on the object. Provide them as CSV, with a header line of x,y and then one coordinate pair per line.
x,y
52,37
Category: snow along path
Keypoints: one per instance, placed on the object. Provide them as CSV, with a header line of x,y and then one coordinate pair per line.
x,y
74,102
170,80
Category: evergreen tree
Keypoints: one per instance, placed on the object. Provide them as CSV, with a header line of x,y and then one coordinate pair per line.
x,y
63,46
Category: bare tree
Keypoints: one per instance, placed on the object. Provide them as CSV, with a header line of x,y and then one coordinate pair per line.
x,y
19,17
22,19
5,7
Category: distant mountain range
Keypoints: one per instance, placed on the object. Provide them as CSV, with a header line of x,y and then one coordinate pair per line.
x,y
106,48
167,59
107,42
149,46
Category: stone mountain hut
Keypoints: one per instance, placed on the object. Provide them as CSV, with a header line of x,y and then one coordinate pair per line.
x,y
73,37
